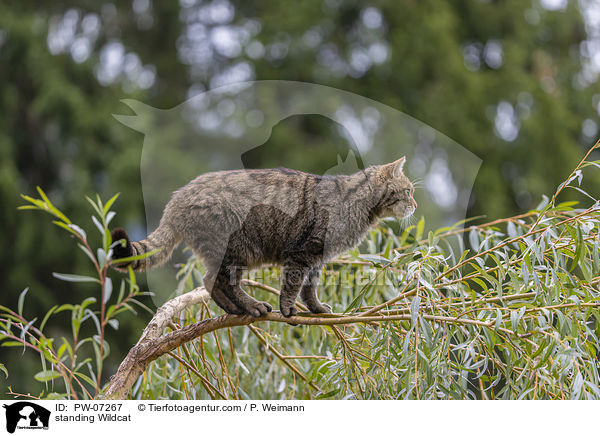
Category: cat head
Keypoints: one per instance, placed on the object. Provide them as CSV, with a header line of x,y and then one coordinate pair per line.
x,y
396,191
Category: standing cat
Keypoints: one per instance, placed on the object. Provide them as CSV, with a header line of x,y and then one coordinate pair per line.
x,y
240,219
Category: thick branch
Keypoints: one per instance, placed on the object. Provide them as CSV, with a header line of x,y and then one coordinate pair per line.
x,y
167,311
124,378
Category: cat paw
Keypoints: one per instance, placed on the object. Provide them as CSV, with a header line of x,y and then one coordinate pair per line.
x,y
236,311
320,308
259,309
289,311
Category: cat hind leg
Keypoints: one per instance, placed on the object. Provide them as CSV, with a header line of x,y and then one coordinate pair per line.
x,y
227,281
218,296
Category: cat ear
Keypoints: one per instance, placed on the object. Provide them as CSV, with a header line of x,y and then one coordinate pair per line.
x,y
394,169
398,165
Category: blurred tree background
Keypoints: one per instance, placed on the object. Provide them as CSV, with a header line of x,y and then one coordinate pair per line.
x,y
513,81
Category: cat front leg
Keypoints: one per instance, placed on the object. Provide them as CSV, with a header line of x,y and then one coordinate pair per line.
x,y
308,292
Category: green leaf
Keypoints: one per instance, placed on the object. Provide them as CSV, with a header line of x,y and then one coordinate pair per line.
x,y
512,230
414,309
61,350
374,258
580,250
53,209
47,317
79,230
420,229
87,252
138,257
47,375
85,303
66,227
98,225
109,216
101,255
499,320
39,204
97,354
132,279
95,206
474,240
21,301
13,344
566,205
74,278
484,285
577,386
142,305
121,291
596,257
328,394
110,202
108,288
525,273
85,378
26,328
543,203
65,346
4,370
515,317
64,307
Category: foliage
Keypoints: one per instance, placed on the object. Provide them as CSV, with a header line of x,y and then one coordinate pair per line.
x,y
511,315
432,60
502,310
78,361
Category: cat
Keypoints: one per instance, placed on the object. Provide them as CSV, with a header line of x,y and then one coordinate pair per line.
x,y
238,219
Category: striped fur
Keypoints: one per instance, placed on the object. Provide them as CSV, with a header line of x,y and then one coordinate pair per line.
x,y
240,219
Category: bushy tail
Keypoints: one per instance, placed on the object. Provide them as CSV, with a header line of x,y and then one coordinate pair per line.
x,y
163,238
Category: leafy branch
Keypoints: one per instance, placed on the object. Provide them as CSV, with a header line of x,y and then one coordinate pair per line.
x,y
503,309
65,361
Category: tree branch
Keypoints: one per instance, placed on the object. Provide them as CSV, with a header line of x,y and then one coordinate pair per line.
x,y
120,384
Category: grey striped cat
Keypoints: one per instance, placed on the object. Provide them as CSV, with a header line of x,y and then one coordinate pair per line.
x,y
241,219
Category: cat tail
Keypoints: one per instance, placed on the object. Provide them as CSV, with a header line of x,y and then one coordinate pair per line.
x,y
164,239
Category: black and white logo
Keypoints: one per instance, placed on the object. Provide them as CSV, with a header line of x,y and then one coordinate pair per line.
x,y
26,415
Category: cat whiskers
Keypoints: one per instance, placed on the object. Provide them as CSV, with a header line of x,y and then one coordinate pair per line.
x,y
408,221
418,183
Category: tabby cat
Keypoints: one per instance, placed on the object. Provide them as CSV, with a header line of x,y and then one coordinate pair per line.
x,y
240,219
